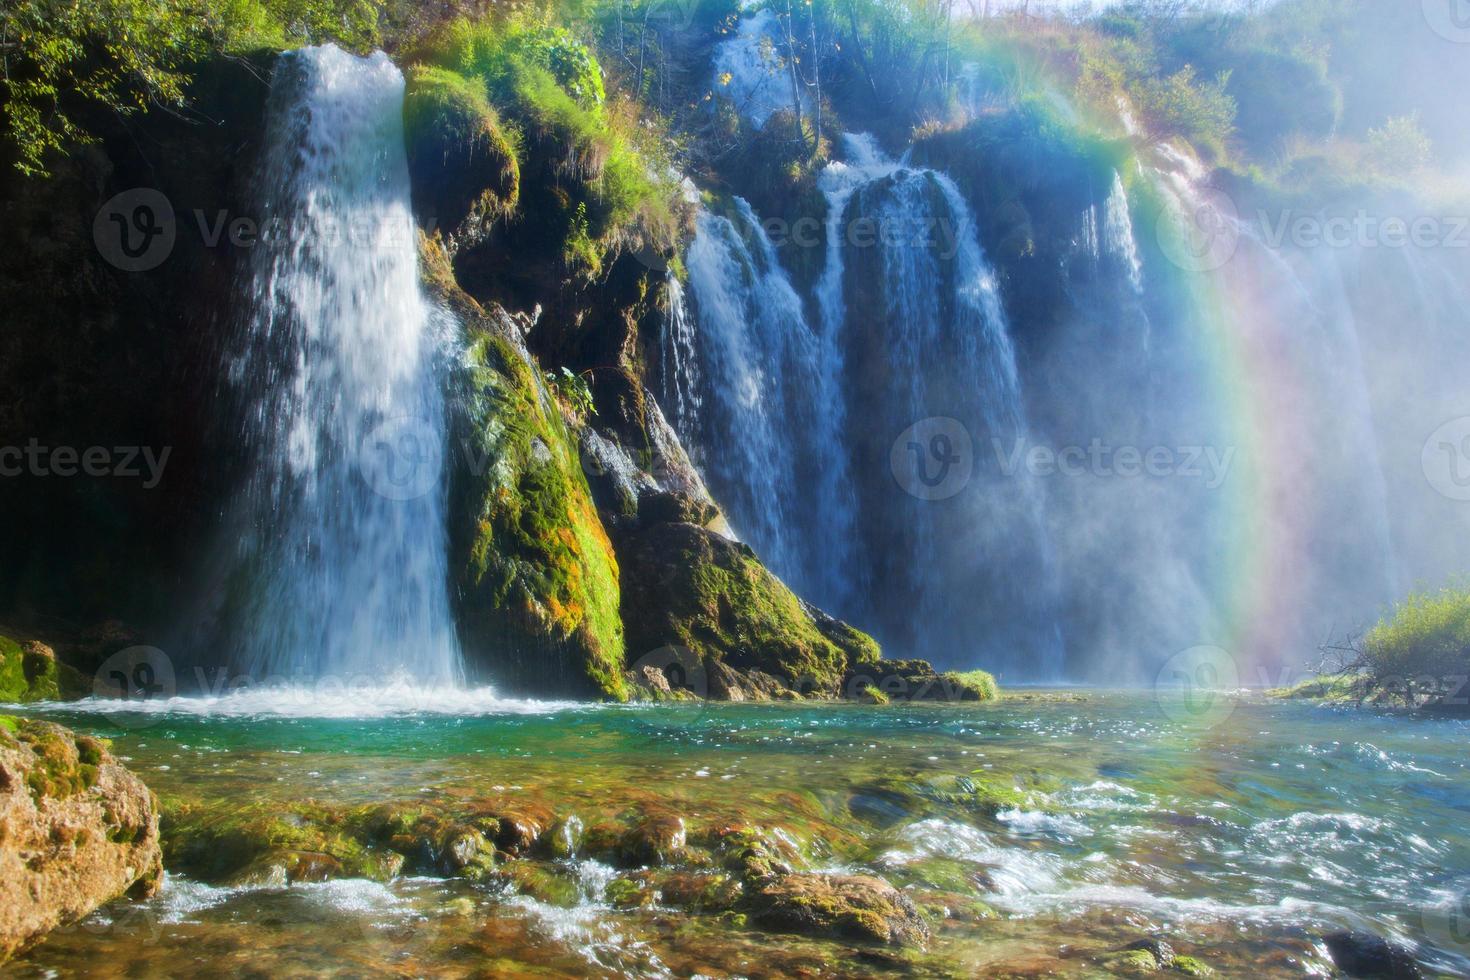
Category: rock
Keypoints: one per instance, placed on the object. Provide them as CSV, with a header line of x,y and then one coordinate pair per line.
x,y
915,680
77,829
1362,954
522,827
536,578
565,837
464,172
1161,951
688,587
857,907
226,841
652,679
29,671
657,839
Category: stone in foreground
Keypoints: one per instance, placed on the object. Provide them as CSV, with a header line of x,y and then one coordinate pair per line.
x,y
76,830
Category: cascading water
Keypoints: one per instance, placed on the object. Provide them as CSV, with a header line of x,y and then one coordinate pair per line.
x,y
678,362
344,409
911,333
761,361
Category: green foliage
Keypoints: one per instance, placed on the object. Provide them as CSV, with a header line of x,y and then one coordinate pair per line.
x,y
979,681
573,390
1180,104
551,85
1428,636
64,58
1399,146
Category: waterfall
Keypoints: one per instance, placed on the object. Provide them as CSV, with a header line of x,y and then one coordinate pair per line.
x,y
761,359
678,363
749,69
339,373
911,334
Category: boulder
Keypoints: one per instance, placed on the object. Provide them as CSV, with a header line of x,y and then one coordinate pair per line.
x,y
1362,954
536,579
29,671
857,907
77,830
686,586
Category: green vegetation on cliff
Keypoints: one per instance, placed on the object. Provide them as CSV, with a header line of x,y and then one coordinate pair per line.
x,y
548,86
689,587
538,556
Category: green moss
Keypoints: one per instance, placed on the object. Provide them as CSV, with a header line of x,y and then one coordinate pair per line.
x,y
27,676
539,557
59,770
691,588
1339,687
1131,962
217,841
465,159
1191,967
9,724
974,685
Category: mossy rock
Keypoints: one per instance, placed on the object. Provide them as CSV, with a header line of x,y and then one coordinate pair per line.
x,y
30,672
462,162
1191,967
854,907
227,841
537,579
688,587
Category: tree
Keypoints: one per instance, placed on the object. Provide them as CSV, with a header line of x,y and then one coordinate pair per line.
x,y
58,57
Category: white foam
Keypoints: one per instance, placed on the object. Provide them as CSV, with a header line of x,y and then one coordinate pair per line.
x,y
326,699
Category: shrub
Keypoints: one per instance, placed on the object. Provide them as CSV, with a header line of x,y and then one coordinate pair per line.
x,y
1428,636
1399,146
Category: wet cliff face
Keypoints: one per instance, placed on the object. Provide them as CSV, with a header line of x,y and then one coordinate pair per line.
x,y
111,349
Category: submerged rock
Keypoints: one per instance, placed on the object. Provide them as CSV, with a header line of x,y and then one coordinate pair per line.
x,y
1362,954
77,829
840,906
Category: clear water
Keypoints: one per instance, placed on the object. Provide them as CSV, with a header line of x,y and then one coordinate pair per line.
x,y
1240,828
